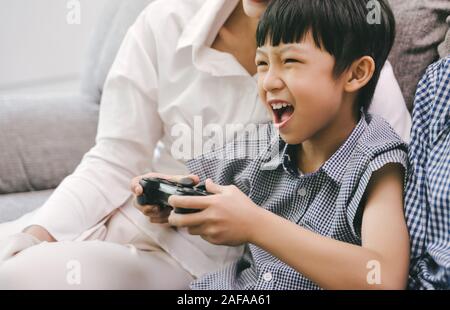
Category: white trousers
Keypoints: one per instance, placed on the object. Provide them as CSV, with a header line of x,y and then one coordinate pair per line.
x,y
117,256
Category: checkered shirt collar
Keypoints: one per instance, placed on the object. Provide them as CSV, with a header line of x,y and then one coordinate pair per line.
x,y
285,154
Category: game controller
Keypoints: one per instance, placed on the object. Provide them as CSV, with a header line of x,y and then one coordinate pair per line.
x,y
157,191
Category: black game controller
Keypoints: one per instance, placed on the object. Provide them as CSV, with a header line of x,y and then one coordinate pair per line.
x,y
157,192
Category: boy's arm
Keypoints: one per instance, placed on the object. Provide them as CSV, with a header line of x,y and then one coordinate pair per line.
x,y
338,265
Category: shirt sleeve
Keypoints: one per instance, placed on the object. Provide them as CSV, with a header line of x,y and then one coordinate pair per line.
x,y
427,196
395,154
128,130
388,102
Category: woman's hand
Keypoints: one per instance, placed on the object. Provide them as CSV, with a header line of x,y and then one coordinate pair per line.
x,y
40,232
15,244
225,219
155,213
31,236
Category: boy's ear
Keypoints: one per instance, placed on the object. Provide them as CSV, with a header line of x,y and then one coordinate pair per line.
x,y
359,74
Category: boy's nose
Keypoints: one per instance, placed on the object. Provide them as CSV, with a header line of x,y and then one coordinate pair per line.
x,y
272,81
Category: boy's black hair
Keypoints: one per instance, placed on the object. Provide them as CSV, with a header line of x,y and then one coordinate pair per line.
x,y
346,29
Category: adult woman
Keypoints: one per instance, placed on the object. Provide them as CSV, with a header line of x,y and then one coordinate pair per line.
x,y
181,62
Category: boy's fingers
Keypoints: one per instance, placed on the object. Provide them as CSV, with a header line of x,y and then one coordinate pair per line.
x,y
196,230
157,211
138,206
150,210
186,220
178,178
164,212
135,185
194,177
159,220
138,190
212,187
189,202
146,210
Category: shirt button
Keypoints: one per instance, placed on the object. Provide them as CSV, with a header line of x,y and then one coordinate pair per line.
x,y
302,191
267,276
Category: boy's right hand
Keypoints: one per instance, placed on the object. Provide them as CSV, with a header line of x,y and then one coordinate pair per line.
x,y
155,213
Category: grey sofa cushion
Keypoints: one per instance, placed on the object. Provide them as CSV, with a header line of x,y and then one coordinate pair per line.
x,y
116,18
43,139
421,28
13,206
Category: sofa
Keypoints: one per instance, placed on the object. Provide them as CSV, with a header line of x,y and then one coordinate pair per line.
x,y
43,138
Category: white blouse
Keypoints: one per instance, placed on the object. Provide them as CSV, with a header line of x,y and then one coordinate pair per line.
x,y
166,80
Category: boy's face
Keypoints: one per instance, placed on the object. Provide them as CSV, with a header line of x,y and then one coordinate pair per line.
x,y
297,85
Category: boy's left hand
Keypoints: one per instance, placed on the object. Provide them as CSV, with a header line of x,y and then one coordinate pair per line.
x,y
225,219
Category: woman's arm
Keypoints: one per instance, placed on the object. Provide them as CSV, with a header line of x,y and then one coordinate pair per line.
x,y
338,265
128,130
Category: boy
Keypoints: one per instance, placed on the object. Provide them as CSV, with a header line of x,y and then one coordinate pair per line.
x,y
321,206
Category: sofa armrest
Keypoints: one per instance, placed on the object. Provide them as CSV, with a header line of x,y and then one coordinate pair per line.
x,y
42,139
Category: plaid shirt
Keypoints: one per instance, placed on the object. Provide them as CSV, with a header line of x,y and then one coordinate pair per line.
x,y
427,197
326,202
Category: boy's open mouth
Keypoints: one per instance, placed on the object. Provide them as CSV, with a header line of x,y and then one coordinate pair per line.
x,y
282,112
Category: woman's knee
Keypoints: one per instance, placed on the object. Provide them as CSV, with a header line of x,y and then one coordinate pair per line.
x,y
91,265
33,268
61,265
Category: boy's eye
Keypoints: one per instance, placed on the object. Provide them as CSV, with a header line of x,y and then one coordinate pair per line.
x,y
291,60
261,63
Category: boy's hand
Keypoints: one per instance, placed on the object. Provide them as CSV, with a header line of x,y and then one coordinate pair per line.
x,y
155,213
225,219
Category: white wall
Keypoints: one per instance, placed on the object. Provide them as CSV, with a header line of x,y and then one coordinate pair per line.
x,y
39,50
